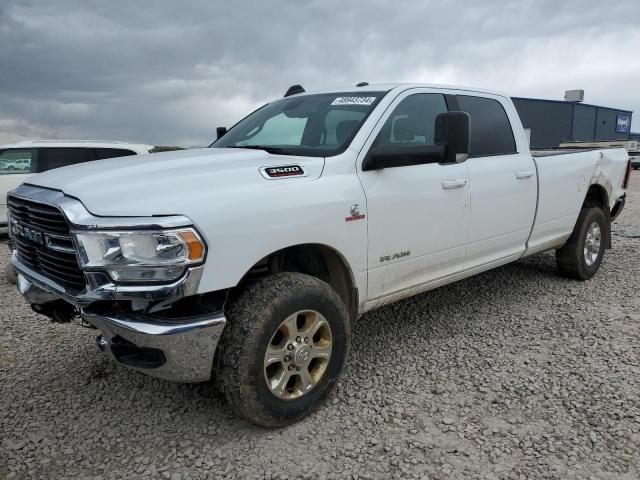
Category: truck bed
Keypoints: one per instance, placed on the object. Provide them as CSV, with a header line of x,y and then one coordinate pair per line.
x,y
564,177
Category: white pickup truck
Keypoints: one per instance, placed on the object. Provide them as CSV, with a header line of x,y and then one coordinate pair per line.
x,y
249,261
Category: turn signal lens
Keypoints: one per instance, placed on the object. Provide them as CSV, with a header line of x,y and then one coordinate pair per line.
x,y
194,245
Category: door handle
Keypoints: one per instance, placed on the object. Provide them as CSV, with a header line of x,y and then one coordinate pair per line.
x,y
525,174
451,184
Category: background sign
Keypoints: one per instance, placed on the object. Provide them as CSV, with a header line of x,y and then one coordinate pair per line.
x,y
623,123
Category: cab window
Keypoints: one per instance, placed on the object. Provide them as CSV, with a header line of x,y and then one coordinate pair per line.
x,y
413,121
490,129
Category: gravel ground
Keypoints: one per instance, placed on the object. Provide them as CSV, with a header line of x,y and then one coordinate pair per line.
x,y
513,374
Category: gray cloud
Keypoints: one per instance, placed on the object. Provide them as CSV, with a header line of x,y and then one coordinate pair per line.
x,y
169,72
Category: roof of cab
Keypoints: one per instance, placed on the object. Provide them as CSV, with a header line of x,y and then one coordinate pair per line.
x,y
385,87
138,148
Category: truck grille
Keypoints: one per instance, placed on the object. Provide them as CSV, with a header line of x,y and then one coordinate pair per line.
x,y
45,245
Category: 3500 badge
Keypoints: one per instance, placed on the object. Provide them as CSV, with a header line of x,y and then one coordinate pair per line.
x,y
283,171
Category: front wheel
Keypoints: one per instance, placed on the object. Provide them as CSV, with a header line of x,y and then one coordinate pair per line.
x,y
283,349
581,256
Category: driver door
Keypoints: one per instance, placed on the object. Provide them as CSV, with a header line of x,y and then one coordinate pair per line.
x,y
418,216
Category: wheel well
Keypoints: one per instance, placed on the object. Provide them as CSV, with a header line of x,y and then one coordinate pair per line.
x,y
317,260
597,197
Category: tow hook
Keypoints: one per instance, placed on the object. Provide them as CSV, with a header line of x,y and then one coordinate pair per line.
x,y
102,343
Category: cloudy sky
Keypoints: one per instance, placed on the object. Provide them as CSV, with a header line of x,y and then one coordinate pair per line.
x,y
168,72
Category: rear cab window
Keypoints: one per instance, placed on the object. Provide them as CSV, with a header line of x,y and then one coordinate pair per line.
x,y
490,128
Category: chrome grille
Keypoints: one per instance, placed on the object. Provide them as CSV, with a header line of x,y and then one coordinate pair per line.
x,y
51,254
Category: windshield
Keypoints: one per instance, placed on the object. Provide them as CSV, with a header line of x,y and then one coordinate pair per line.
x,y
319,125
15,161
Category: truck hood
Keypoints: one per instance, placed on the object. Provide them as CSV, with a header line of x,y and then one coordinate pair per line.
x,y
168,183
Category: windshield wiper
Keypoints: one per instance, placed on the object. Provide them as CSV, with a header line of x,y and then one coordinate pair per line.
x,y
273,150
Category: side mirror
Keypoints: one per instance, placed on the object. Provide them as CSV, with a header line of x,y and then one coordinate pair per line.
x,y
452,131
220,131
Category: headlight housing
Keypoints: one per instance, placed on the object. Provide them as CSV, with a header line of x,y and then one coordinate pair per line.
x,y
140,256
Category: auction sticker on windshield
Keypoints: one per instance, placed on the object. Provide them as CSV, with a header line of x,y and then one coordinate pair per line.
x,y
353,101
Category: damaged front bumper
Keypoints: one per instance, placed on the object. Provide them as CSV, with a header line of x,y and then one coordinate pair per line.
x,y
180,351
176,349
166,330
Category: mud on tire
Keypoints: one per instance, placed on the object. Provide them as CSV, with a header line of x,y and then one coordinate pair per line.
x,y
252,320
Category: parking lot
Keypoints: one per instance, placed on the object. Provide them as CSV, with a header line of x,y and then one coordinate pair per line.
x,y
514,374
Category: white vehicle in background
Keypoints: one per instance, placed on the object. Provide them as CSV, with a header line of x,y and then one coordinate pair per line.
x,y
18,164
18,161
250,260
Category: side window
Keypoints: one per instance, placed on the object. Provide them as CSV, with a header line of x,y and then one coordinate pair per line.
x,y
340,124
413,121
103,153
491,132
61,157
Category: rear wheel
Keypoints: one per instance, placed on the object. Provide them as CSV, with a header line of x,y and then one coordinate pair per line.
x,y
283,348
581,256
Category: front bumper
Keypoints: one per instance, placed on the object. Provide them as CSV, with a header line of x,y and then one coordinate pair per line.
x,y
179,350
100,288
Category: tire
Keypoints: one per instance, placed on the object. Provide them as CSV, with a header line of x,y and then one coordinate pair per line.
x,y
572,259
256,322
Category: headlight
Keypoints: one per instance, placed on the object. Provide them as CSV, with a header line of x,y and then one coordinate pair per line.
x,y
148,256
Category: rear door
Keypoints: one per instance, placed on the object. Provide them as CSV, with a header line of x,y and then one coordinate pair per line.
x,y
503,181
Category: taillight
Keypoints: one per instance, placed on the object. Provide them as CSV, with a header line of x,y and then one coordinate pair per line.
x,y
627,176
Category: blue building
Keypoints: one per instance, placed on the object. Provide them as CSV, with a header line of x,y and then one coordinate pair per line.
x,y
553,122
